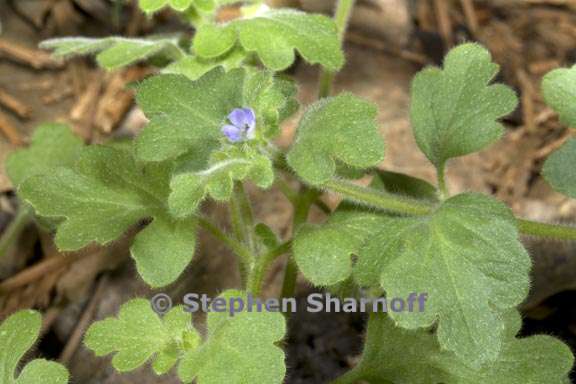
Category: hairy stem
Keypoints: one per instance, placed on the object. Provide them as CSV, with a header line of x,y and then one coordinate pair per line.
x,y
378,199
259,271
305,199
341,18
247,216
406,206
442,182
551,231
12,232
246,257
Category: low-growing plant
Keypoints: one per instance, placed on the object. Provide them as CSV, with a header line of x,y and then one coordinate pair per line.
x,y
214,113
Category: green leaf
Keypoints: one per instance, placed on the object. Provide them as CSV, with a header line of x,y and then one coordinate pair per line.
x,y
467,257
105,194
340,128
52,145
324,253
399,356
559,91
454,111
17,335
558,169
189,189
273,36
151,6
187,116
194,67
239,349
138,335
114,52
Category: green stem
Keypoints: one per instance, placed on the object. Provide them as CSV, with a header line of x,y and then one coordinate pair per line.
x,y
442,183
406,206
247,215
292,196
378,199
551,231
258,273
234,245
305,199
16,226
341,18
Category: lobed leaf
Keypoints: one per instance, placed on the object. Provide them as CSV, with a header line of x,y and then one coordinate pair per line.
x,y
465,256
341,128
273,36
558,170
194,67
114,52
187,116
559,91
99,200
239,349
189,189
138,335
17,334
52,145
454,111
403,356
324,253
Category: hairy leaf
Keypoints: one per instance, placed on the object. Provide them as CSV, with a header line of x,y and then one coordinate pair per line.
x,y
138,335
340,128
558,169
52,145
559,91
187,116
194,67
114,52
454,111
324,253
400,356
467,257
17,334
274,35
239,349
189,189
106,193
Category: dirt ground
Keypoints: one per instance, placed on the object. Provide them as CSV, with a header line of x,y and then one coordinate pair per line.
x,y
527,38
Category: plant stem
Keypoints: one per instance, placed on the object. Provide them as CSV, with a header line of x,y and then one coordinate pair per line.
x,y
12,232
246,257
551,231
245,207
378,199
262,265
442,182
341,18
406,206
305,199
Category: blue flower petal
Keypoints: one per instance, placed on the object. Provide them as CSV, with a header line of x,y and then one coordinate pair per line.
x,y
242,117
233,133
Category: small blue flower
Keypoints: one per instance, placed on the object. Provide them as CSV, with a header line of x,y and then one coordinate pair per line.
x,y
242,125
